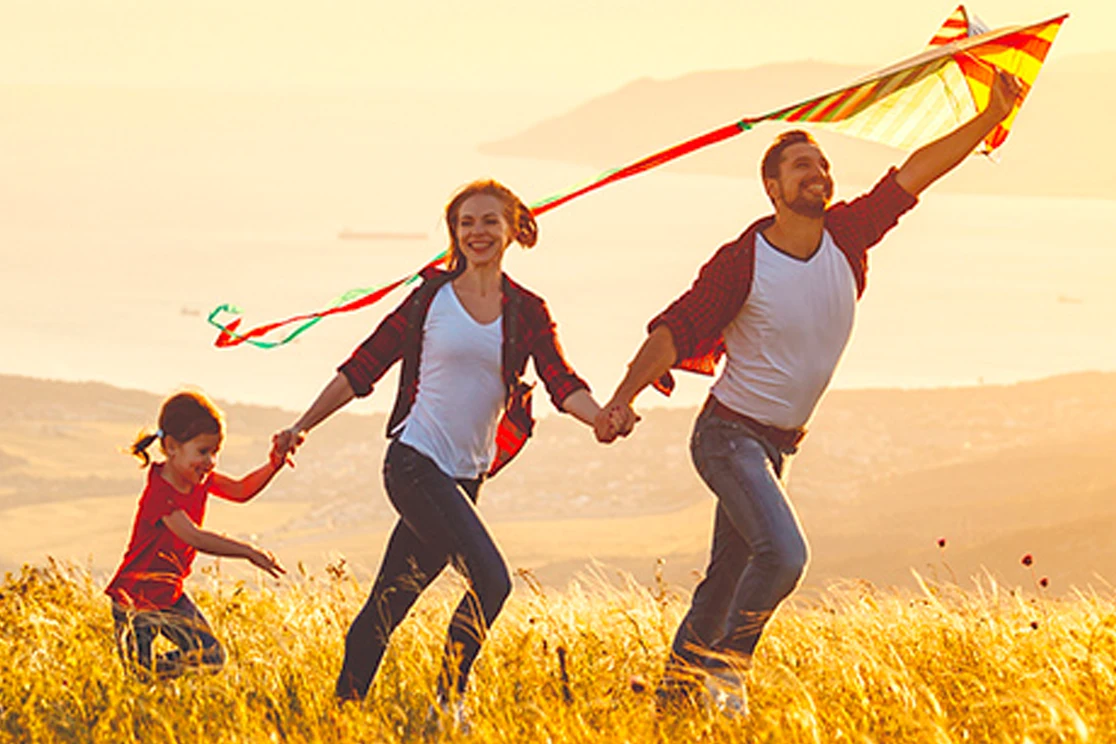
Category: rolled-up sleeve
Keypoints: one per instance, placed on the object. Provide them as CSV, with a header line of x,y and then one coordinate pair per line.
x,y
862,222
703,311
369,361
550,362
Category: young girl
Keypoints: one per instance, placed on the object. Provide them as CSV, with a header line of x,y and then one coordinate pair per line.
x,y
146,592
464,338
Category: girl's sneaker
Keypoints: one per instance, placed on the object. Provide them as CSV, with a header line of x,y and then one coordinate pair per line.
x,y
727,693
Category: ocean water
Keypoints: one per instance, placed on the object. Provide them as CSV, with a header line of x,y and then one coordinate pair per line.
x,y
113,256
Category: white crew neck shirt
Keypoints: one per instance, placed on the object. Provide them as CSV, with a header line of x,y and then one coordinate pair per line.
x,y
460,389
784,344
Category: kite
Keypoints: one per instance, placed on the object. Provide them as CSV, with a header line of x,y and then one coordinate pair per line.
x,y
905,105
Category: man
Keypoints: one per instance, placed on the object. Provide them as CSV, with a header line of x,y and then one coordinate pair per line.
x,y
779,301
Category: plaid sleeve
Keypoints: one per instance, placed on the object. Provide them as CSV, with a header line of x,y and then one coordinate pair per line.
x,y
699,316
378,352
550,363
860,224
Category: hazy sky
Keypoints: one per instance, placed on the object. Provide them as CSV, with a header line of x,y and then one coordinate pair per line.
x,y
256,180
573,45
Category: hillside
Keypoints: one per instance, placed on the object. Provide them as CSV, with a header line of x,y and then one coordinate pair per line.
x,y
1049,153
996,470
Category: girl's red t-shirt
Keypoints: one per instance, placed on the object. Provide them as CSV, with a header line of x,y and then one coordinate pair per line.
x,y
157,561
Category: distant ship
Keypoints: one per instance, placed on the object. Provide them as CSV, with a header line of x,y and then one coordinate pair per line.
x,y
347,234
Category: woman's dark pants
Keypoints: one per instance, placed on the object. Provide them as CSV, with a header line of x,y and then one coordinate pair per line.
x,y
439,524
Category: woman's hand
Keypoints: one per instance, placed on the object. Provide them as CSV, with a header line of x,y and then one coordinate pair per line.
x,y
283,446
335,395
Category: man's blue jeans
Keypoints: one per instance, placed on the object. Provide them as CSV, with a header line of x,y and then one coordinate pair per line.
x,y
759,551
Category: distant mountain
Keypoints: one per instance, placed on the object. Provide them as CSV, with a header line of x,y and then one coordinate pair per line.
x,y
996,470
1052,151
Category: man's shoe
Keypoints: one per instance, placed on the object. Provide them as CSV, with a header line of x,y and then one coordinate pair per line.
x,y
446,715
679,690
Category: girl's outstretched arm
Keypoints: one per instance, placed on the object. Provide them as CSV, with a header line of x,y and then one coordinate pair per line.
x,y
210,542
245,488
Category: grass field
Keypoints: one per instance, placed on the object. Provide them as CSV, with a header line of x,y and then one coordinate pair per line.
x,y
859,665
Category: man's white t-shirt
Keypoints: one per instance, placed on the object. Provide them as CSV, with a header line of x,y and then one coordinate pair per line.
x,y
460,389
784,344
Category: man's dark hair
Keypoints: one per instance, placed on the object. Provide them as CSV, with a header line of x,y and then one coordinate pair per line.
x,y
774,154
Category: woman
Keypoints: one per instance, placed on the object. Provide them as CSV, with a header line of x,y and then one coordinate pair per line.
x,y
464,337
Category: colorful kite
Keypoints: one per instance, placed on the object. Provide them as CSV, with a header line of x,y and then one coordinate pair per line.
x,y
905,105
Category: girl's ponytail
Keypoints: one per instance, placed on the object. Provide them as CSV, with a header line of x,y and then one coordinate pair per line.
x,y
145,440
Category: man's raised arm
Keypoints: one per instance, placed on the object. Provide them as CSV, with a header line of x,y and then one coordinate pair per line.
x,y
932,161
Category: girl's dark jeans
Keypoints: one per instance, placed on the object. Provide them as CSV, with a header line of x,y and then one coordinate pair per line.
x,y
182,623
439,524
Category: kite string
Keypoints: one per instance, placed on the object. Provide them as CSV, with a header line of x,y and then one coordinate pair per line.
x,y
231,336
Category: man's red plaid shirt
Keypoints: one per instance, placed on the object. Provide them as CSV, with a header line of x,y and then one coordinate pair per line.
x,y
697,319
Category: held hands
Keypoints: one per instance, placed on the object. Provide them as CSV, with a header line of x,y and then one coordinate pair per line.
x,y
614,420
1006,92
283,446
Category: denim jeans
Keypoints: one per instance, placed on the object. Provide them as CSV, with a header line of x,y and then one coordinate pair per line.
x,y
182,623
439,524
759,552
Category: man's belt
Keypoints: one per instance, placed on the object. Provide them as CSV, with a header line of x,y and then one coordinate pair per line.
x,y
785,440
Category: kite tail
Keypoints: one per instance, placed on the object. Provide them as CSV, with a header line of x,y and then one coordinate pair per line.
x,y
354,299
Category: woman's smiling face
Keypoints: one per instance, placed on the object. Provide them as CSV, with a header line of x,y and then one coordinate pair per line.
x,y
482,230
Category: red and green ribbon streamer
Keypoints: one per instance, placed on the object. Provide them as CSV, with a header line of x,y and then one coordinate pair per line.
x,y
355,299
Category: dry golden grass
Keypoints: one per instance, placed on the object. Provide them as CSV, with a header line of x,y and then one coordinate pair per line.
x,y
858,665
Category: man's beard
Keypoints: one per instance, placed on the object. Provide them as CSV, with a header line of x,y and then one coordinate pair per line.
x,y
808,206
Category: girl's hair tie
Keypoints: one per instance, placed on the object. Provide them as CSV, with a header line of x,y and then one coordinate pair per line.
x,y
158,433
